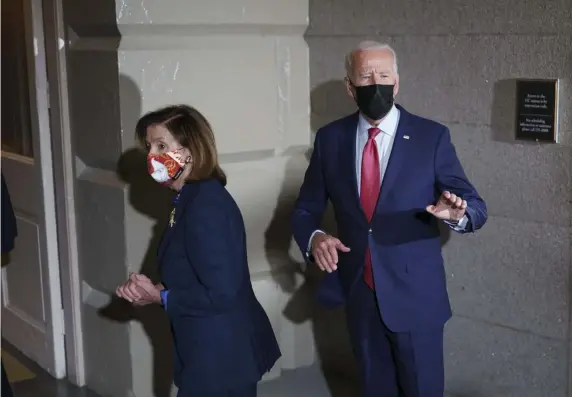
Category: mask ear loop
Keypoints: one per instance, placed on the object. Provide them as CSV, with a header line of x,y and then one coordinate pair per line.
x,y
353,86
188,163
350,81
188,160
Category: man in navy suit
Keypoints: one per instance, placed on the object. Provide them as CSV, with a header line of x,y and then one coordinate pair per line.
x,y
392,177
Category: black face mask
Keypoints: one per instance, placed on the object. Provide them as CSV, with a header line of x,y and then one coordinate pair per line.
x,y
375,100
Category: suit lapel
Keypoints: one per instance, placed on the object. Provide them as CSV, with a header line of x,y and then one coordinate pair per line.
x,y
398,155
347,152
175,220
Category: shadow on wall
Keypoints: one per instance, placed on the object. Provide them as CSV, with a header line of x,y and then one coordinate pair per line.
x,y
504,111
329,101
330,335
155,202
328,326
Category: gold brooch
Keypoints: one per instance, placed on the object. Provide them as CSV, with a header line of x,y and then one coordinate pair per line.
x,y
172,218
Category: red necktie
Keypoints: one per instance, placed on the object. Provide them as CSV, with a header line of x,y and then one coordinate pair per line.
x,y
369,191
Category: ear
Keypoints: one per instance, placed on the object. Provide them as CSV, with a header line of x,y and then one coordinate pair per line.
x,y
188,155
396,88
349,88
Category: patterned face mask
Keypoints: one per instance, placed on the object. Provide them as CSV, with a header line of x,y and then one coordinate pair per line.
x,y
166,166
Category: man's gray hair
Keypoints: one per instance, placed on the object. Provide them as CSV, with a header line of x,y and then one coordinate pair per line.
x,y
367,46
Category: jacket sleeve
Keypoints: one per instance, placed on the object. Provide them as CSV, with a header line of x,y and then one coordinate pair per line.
x,y
215,249
451,177
311,204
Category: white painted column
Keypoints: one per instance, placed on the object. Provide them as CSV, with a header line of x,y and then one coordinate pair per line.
x,y
244,65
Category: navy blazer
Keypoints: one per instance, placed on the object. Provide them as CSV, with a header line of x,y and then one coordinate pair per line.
x,y
404,239
222,337
9,228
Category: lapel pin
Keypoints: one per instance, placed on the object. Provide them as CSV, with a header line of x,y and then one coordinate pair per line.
x,y
405,136
172,218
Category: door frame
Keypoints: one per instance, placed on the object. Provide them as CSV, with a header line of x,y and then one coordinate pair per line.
x,y
42,167
64,188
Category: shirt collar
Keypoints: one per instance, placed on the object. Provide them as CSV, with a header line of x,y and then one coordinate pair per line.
x,y
388,125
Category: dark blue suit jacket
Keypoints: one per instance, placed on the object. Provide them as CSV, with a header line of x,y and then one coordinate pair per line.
x,y
9,228
222,337
403,238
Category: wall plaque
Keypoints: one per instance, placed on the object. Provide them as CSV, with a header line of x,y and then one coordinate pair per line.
x,y
537,110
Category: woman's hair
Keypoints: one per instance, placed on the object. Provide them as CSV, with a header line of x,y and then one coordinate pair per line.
x,y
192,130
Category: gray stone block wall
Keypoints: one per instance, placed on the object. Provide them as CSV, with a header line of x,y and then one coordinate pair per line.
x,y
509,283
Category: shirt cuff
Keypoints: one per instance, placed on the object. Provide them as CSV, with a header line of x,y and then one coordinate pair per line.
x,y
164,294
459,226
309,249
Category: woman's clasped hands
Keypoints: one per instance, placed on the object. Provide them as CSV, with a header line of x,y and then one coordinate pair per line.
x,y
139,290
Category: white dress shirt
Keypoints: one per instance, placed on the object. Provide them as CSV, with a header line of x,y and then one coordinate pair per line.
x,y
384,141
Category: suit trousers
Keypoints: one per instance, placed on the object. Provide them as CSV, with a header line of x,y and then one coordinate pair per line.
x,y
393,364
247,391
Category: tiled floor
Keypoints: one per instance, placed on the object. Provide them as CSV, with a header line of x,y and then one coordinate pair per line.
x,y
310,382
43,385
307,382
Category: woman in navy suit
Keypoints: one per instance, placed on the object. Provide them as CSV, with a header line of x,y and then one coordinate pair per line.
x,y
223,340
